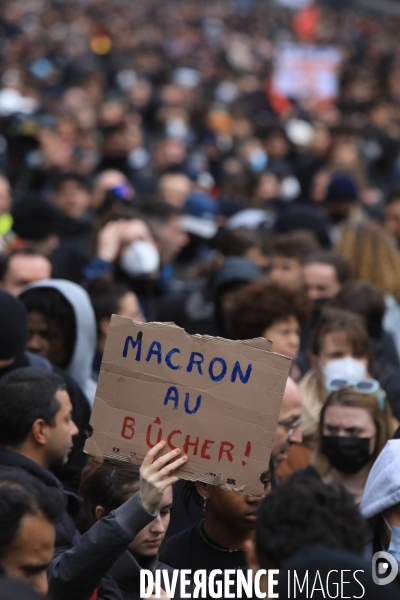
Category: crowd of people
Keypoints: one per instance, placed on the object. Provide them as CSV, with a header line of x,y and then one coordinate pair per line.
x,y
150,169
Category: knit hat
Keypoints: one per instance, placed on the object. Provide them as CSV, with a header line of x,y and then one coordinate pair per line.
x,y
342,188
13,326
34,219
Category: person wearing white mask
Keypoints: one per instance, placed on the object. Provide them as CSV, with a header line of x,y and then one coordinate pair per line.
x,y
381,502
340,349
125,252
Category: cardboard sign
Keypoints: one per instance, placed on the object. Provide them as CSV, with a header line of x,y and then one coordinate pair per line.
x,y
302,70
216,399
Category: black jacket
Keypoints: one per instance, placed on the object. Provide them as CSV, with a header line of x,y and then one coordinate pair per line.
x,y
126,574
100,561
66,532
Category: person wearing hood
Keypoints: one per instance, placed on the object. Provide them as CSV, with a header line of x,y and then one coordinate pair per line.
x,y
234,273
62,328
381,501
13,355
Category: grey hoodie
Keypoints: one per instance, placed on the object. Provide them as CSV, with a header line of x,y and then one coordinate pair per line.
x,y
382,489
80,366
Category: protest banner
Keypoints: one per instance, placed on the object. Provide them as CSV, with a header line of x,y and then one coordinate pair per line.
x,y
294,4
303,70
218,400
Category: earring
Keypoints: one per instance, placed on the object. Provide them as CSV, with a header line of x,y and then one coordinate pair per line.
x,y
205,503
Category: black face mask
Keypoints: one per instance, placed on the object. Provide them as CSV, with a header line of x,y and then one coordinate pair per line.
x,y
347,454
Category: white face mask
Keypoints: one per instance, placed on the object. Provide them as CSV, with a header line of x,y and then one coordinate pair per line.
x,y
139,258
344,368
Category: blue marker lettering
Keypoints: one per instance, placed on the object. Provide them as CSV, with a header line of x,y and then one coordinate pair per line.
x,y
155,348
168,359
211,369
172,394
196,408
192,362
244,377
134,343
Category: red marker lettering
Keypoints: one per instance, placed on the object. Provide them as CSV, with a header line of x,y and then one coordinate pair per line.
x,y
204,449
226,448
127,426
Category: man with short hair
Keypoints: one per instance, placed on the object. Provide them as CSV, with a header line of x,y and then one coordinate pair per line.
x,y
21,268
36,431
13,355
28,511
288,252
165,222
324,274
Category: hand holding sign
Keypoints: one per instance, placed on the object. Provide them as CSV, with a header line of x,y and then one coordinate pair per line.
x,y
155,475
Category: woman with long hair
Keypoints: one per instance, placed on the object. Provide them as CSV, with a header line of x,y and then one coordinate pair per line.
x,y
374,257
354,426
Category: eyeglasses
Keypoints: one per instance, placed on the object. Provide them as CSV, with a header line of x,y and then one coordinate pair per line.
x,y
363,386
292,426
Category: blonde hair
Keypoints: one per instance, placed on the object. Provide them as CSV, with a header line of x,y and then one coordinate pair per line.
x,y
372,256
348,396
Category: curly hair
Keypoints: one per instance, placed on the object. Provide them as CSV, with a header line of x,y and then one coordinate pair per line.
x,y
372,256
258,305
302,512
